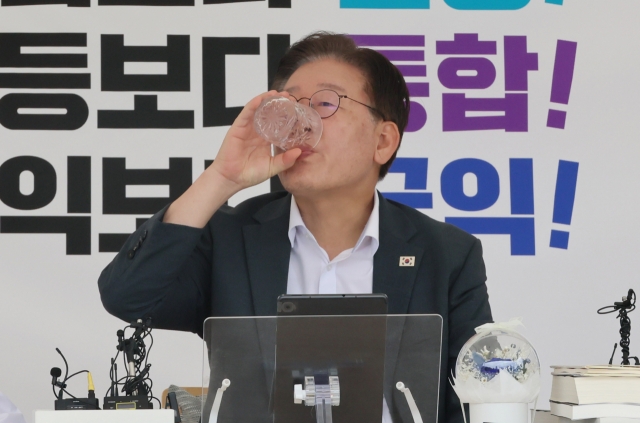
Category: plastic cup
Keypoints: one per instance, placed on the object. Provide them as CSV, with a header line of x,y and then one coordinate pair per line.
x,y
287,124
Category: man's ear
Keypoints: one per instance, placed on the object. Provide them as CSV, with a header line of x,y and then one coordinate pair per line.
x,y
388,141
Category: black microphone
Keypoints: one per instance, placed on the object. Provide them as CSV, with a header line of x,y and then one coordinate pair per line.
x,y
140,327
120,334
55,373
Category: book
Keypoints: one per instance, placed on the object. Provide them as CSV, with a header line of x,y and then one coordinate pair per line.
x,y
597,370
544,416
595,389
595,411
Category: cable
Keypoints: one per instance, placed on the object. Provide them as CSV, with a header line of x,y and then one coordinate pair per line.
x,y
63,384
627,305
66,379
77,373
66,365
135,351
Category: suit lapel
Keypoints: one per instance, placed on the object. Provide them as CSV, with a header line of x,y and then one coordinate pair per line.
x,y
396,231
388,276
268,248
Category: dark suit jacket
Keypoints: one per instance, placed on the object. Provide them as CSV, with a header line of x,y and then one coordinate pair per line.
x,y
238,265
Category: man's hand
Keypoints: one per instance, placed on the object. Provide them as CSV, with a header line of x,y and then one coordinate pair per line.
x,y
244,160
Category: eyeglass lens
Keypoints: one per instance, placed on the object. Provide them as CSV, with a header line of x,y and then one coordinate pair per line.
x,y
325,102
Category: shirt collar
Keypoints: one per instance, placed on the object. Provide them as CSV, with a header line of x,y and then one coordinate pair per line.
x,y
295,220
371,229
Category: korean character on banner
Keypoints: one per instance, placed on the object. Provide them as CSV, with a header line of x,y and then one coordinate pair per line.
x,y
520,225
407,53
415,179
286,4
145,113
115,200
76,228
214,82
69,3
512,108
154,3
273,4
488,4
75,108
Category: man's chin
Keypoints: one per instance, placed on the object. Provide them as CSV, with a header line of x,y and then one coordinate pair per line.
x,y
298,184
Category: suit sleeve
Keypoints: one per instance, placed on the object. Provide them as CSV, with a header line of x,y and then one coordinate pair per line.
x,y
468,308
162,272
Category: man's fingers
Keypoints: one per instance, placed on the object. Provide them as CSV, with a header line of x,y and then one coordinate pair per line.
x,y
285,160
246,115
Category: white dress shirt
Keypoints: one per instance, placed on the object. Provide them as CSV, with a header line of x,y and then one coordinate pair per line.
x,y
311,271
350,272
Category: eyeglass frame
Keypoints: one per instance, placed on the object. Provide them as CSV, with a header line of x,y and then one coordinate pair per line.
x,y
340,97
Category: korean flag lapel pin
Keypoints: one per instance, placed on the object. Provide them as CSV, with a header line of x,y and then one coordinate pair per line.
x,y
407,261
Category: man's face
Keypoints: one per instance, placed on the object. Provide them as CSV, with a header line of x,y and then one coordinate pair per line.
x,y
344,158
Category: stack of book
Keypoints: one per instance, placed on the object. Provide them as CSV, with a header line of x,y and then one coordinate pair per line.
x,y
610,394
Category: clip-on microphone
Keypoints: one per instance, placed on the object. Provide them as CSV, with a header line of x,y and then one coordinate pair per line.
x,y
73,403
135,387
56,373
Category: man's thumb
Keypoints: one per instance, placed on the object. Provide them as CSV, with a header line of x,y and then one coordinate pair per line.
x,y
284,161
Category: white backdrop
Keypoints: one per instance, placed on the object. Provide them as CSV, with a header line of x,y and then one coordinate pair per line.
x,y
50,299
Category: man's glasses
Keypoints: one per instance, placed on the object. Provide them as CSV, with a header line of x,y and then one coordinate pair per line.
x,y
326,103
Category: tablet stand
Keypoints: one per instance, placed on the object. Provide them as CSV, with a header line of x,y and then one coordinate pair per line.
x,y
413,407
341,376
323,396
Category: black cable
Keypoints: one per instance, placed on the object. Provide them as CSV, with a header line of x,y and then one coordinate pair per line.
x,y
66,372
113,374
627,305
64,383
159,403
113,370
135,349
66,365
67,392
125,358
150,387
75,374
150,346
625,335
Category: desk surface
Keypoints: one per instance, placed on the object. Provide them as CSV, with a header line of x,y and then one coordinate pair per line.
x,y
104,416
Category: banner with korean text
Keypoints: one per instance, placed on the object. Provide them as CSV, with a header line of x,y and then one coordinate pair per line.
x,y
522,132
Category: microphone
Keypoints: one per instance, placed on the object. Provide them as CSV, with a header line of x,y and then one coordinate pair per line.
x,y
139,326
92,389
114,377
73,403
55,373
120,334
